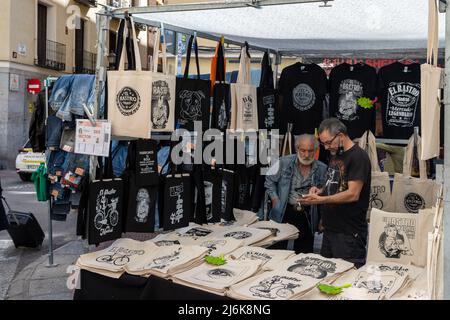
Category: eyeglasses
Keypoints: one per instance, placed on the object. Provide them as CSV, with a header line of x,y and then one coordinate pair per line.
x,y
328,143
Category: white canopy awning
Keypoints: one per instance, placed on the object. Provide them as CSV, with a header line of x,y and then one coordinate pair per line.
x,y
346,26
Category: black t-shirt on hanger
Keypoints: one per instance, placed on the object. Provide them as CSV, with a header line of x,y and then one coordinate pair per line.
x,y
302,89
348,83
399,92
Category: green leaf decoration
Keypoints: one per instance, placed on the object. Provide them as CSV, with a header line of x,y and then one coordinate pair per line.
x,y
365,103
217,261
332,290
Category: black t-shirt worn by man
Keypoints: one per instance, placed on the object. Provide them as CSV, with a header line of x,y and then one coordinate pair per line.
x,y
302,92
348,218
348,83
399,92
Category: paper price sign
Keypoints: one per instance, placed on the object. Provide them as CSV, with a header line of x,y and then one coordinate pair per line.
x,y
92,139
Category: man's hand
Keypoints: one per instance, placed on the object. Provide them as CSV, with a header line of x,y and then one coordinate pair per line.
x,y
315,190
312,198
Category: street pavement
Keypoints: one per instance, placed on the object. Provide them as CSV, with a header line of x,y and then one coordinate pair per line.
x,y
19,262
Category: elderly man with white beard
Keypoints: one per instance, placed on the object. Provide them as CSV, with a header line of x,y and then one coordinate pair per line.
x,y
286,183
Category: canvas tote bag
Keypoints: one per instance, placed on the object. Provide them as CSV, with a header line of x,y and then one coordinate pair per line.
x,y
193,97
129,96
431,80
412,194
380,187
221,116
163,91
244,107
399,237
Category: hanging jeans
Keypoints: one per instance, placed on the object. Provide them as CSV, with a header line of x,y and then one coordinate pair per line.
x,y
53,132
60,92
81,88
55,161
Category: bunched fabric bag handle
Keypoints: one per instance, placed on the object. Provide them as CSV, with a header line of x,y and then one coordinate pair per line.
x,y
192,42
137,57
266,80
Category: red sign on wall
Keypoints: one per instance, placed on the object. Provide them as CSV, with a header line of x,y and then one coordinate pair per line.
x,y
34,86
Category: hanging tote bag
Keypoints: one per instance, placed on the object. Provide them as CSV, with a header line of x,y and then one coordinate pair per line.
x,y
380,186
412,194
193,96
221,111
105,213
141,206
162,91
431,81
178,207
140,180
267,98
129,97
244,107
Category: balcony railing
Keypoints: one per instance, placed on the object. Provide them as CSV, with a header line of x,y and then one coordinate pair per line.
x,y
55,56
89,62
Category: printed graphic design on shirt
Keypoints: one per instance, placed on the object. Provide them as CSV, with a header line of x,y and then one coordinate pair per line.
x,y
414,202
350,90
275,287
142,205
191,105
107,216
177,192
247,102
160,104
396,238
128,101
336,177
402,103
313,267
303,97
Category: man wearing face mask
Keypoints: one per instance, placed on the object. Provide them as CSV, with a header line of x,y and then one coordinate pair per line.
x,y
290,178
345,195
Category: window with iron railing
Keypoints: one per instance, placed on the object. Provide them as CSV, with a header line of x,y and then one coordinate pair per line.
x,y
54,56
89,62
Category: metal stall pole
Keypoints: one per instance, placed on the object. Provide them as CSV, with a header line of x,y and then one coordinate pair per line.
x,y
446,240
50,223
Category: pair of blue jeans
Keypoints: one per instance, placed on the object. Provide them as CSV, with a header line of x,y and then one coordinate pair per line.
x,y
60,92
56,161
53,132
82,86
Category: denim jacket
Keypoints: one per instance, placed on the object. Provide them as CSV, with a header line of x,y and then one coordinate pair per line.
x,y
278,184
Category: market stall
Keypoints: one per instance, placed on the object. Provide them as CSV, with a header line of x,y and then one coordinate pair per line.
x,y
397,33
